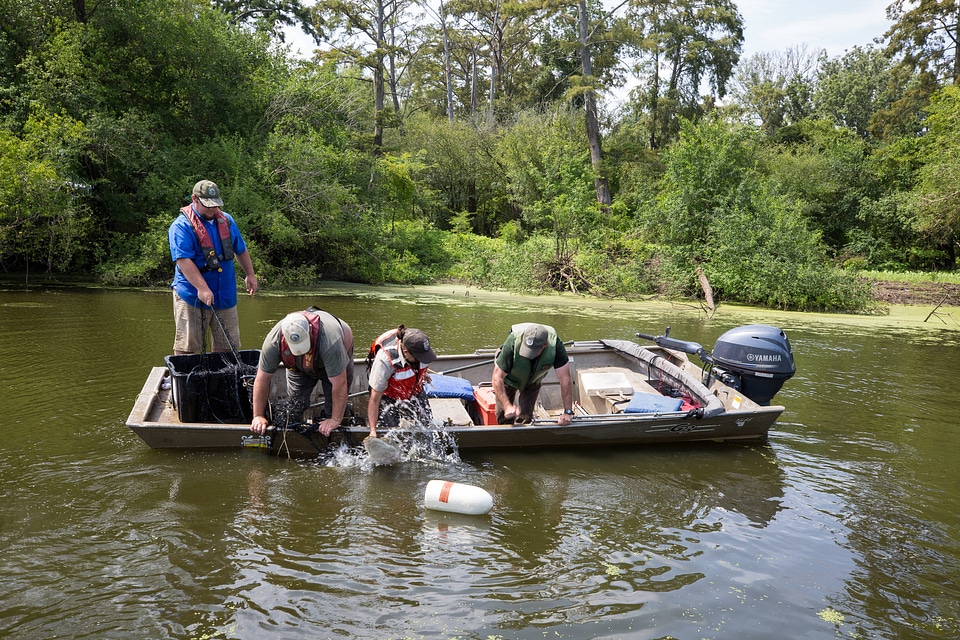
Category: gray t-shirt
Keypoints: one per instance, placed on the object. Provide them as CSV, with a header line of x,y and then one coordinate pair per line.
x,y
334,353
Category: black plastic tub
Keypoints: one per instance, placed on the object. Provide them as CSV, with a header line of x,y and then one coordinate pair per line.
x,y
212,387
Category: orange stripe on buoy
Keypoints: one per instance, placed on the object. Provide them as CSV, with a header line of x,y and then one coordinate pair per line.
x,y
445,492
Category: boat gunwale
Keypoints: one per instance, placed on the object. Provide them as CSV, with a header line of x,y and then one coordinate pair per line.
x,y
581,426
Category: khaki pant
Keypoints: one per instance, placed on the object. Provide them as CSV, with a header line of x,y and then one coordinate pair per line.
x,y
192,324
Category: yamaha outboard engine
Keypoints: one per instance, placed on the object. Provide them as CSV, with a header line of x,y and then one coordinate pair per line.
x,y
755,359
759,356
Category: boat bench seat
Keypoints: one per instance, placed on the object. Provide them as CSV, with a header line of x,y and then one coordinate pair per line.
x,y
450,411
609,389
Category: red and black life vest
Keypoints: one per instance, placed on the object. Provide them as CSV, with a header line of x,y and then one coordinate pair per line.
x,y
206,244
407,380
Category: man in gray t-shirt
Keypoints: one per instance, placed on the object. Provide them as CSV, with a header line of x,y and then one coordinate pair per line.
x,y
315,347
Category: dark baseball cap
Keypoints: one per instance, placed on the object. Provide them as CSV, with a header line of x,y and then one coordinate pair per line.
x,y
417,343
534,337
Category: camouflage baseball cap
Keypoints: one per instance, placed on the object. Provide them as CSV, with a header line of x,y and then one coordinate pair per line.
x,y
208,193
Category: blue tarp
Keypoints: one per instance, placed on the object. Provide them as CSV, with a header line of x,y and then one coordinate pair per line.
x,y
652,403
441,386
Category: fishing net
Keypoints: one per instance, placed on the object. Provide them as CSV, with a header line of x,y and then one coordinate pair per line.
x,y
287,413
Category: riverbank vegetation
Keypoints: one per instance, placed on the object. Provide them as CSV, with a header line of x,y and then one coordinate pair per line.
x,y
488,143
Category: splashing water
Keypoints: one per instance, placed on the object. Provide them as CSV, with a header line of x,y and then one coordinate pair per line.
x,y
429,444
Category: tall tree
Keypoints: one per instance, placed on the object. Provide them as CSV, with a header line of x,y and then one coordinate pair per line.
x,y
773,88
589,33
926,33
935,199
579,59
447,71
853,87
446,75
925,37
376,35
682,44
590,107
508,29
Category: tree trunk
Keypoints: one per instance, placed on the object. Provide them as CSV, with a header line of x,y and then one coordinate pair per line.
x,y
80,11
392,70
474,82
495,40
446,62
378,83
654,100
600,183
956,48
493,84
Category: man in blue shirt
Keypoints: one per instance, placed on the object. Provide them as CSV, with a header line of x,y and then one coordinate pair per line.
x,y
204,243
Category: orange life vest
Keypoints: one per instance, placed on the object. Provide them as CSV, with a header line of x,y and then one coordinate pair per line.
x,y
406,381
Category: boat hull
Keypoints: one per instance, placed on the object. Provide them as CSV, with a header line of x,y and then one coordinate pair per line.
x,y
155,419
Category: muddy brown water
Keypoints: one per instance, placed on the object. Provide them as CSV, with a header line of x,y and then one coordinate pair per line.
x,y
844,524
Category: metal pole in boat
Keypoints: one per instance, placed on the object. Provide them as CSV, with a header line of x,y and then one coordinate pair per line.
x,y
464,367
357,394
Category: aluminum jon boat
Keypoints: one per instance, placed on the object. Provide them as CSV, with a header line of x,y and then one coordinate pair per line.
x,y
625,394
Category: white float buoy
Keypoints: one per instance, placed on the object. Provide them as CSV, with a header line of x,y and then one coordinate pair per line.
x,y
443,495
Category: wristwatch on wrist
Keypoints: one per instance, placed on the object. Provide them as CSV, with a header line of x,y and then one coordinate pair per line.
x,y
568,412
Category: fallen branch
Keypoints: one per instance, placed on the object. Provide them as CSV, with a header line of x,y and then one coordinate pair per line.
x,y
939,304
707,289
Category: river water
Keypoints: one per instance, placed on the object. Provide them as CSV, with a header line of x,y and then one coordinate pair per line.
x,y
844,524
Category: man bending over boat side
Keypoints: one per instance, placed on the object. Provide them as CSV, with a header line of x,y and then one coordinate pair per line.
x,y
523,361
316,347
398,363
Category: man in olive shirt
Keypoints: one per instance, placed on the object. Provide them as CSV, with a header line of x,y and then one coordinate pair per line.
x,y
316,348
524,360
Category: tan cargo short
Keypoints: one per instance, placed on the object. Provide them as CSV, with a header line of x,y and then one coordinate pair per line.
x,y
193,323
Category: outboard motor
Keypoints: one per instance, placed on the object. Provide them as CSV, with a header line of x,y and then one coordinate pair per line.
x,y
759,356
755,359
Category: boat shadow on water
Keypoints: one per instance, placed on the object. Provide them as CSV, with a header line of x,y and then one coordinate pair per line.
x,y
743,477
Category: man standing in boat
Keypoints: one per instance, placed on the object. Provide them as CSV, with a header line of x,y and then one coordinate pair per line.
x,y
316,347
526,357
398,363
204,243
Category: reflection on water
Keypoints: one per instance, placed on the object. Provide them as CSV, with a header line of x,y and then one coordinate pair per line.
x,y
564,545
845,524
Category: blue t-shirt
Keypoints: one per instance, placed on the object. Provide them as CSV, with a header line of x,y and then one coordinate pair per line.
x,y
184,244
